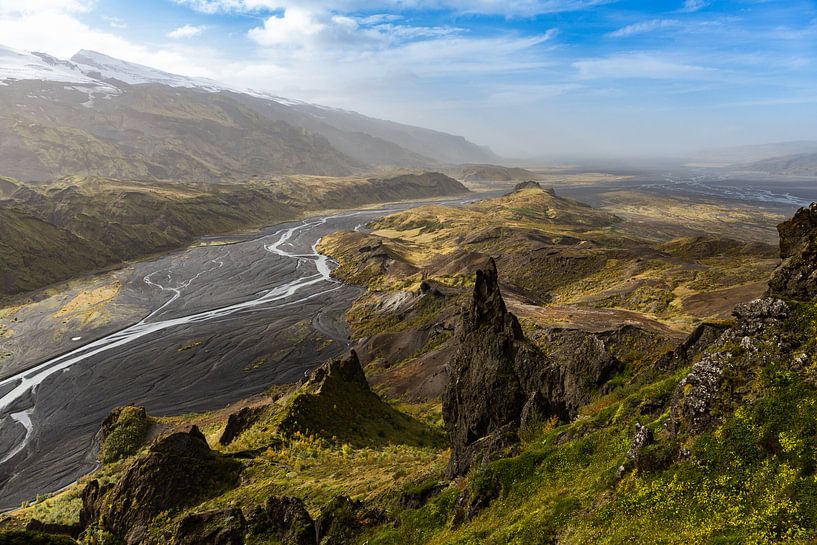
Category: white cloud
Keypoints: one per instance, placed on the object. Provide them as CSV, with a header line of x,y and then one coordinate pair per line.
x,y
295,27
640,65
491,7
216,6
691,6
186,31
116,22
643,27
380,18
30,7
59,32
298,28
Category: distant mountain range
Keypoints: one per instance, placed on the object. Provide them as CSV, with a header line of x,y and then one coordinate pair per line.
x,y
101,116
737,155
801,164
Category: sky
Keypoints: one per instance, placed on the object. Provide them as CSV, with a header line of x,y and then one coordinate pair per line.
x,y
530,79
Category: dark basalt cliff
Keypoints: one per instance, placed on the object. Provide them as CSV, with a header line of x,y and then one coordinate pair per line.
x,y
487,388
796,278
499,380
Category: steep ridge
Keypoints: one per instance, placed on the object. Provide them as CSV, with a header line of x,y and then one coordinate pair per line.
x,y
100,116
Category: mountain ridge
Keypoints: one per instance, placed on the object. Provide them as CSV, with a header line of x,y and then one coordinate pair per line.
x,y
112,111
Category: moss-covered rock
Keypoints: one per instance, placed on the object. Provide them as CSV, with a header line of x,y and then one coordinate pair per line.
x,y
336,402
33,538
796,278
217,527
285,519
123,433
343,518
177,470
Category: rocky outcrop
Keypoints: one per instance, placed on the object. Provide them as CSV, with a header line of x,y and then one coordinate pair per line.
x,y
499,380
314,406
343,518
530,184
490,373
218,527
643,438
723,377
335,401
718,380
692,347
285,519
796,277
238,422
177,470
123,433
89,513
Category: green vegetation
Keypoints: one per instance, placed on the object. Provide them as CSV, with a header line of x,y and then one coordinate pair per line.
x,y
749,480
125,435
33,538
356,416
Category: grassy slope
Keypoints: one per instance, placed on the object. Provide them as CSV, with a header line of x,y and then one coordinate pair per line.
x,y
749,481
34,252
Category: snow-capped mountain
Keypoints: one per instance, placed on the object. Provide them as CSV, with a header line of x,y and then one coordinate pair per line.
x,y
102,66
20,65
95,114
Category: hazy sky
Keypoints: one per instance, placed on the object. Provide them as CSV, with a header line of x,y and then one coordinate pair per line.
x,y
532,78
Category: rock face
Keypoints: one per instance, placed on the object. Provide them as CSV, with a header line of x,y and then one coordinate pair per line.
x,y
796,277
490,373
285,519
219,527
342,518
178,469
500,381
643,438
694,345
579,362
89,513
240,421
715,383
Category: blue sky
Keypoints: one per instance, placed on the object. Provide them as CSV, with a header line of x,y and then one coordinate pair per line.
x,y
538,78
